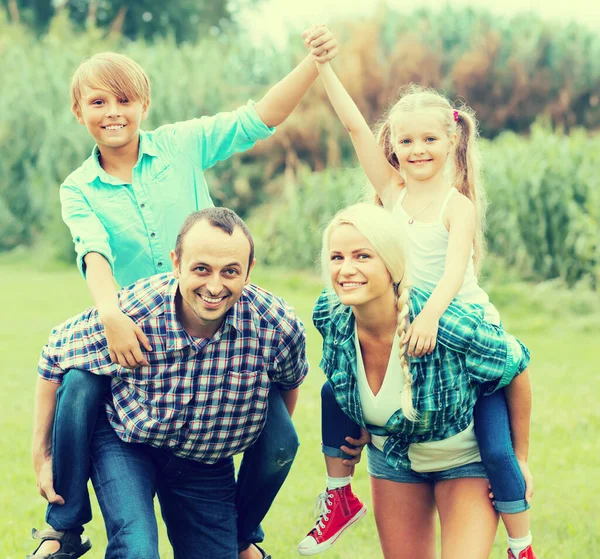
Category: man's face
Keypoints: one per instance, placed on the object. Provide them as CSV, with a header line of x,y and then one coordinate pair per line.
x,y
212,272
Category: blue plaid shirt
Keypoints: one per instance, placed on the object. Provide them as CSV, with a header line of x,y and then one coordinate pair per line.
x,y
134,226
204,399
471,355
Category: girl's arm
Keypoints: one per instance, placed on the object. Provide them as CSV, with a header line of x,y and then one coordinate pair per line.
x,y
382,175
422,333
123,336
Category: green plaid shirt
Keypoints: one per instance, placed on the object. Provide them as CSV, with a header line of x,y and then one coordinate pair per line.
x,y
471,356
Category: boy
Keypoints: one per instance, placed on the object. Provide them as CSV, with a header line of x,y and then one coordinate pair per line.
x,y
124,207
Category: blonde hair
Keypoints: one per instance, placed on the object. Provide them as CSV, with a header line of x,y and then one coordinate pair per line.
x,y
113,72
386,236
466,171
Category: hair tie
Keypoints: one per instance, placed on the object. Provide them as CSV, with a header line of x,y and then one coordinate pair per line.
x,y
455,116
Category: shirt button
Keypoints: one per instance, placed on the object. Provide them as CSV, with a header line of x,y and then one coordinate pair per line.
x,y
142,206
159,264
334,342
153,235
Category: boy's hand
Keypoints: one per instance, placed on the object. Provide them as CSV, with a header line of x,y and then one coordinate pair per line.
x,y
321,42
124,338
421,335
528,482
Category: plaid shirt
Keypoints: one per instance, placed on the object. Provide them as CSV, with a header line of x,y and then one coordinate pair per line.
x,y
471,355
205,399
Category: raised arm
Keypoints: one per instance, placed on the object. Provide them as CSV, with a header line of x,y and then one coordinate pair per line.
x,y
282,98
381,174
422,333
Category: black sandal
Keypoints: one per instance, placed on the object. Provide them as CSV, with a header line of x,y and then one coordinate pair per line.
x,y
264,553
72,544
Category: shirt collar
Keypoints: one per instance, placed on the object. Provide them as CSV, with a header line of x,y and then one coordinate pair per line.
x,y
92,169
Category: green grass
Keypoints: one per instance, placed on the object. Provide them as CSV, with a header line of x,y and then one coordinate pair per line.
x,y
561,328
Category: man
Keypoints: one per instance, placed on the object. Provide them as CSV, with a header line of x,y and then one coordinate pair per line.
x,y
220,348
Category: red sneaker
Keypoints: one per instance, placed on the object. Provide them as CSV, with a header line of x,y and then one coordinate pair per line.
x,y
338,509
527,553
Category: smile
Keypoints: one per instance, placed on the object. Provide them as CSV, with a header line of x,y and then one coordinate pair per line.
x,y
421,161
212,301
351,284
114,127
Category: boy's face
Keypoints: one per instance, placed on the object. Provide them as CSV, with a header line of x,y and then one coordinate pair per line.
x,y
112,121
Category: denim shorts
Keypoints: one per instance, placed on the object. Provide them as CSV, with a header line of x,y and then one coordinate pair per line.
x,y
380,469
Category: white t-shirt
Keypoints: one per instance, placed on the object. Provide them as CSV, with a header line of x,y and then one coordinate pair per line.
x,y
433,456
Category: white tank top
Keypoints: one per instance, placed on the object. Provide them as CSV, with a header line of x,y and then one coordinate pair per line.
x,y
428,245
433,456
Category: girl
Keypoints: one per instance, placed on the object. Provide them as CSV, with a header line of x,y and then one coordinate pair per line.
x,y
425,169
423,453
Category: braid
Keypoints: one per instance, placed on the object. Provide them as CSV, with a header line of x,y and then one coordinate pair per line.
x,y
407,405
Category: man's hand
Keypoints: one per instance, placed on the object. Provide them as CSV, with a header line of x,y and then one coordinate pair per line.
x,y
45,482
421,335
124,338
321,42
365,438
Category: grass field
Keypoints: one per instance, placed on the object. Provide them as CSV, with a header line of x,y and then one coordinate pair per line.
x,y
562,330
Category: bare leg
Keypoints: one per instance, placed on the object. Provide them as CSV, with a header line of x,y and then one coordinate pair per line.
x,y
405,518
467,518
336,467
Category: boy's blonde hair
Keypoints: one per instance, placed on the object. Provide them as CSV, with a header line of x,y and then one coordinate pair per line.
x,y
466,167
387,237
113,72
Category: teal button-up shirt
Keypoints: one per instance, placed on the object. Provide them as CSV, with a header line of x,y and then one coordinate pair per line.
x,y
134,226
470,356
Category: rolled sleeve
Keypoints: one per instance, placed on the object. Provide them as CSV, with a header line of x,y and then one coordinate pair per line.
x,y
87,231
517,360
292,364
207,140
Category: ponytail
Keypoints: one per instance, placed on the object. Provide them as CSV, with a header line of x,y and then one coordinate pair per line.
x,y
467,175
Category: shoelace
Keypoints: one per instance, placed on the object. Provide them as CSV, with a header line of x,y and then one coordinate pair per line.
x,y
322,510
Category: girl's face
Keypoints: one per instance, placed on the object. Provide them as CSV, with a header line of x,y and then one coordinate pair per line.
x,y
357,272
421,144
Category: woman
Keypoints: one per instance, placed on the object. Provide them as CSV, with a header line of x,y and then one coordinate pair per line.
x,y
423,453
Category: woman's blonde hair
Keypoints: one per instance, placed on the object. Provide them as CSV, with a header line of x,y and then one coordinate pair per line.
x,y
113,72
386,236
466,160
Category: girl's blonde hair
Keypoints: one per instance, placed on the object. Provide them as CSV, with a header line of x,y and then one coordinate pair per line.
x,y
386,236
466,167
113,72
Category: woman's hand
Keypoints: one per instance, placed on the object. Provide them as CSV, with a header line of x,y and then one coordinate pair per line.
x,y
365,438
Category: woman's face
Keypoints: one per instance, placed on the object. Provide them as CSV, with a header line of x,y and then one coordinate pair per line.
x,y
357,272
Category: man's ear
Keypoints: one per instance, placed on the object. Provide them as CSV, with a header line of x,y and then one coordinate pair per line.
x,y
175,261
249,270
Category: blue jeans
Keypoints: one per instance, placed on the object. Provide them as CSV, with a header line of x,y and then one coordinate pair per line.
x,y
262,472
197,500
492,429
